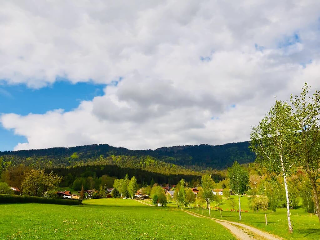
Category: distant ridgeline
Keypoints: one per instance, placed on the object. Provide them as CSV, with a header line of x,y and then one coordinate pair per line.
x,y
191,157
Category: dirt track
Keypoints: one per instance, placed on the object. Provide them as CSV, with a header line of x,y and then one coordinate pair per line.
x,y
240,230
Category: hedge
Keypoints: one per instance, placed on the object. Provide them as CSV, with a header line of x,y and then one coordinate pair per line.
x,y
28,199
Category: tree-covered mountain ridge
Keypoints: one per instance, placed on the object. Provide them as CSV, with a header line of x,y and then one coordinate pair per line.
x,y
188,156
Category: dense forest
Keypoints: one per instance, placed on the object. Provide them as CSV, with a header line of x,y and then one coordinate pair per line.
x,y
189,156
163,165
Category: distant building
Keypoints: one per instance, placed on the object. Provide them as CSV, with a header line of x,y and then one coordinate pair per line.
x,y
217,192
65,194
15,190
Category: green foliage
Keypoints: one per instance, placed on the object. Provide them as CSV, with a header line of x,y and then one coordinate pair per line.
x,y
15,175
158,195
107,181
78,184
1,165
5,188
259,203
36,183
190,197
146,190
99,194
275,193
74,156
239,178
173,160
273,141
207,185
307,113
51,194
115,193
232,203
307,198
226,192
122,186
132,186
180,193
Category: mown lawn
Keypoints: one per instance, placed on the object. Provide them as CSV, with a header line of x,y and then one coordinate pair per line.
x,y
104,219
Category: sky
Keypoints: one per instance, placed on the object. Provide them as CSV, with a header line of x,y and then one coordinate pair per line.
x,y
148,74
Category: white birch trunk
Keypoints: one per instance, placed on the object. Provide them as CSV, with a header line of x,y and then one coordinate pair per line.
x,y
239,208
287,194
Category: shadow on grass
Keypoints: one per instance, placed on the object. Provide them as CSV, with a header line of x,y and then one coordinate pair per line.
x,y
310,232
117,206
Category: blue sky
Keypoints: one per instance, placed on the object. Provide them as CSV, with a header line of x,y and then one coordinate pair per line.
x,y
20,99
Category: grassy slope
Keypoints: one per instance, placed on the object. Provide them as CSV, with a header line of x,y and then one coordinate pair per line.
x,y
306,225
104,219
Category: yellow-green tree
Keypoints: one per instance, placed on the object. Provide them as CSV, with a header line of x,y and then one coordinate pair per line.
x,y
273,141
37,182
207,185
132,186
306,109
239,180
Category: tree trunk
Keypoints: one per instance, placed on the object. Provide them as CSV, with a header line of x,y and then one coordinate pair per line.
x,y
239,208
316,198
265,217
287,195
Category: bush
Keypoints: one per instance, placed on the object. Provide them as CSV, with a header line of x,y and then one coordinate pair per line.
x,y
51,194
5,189
28,199
115,193
259,203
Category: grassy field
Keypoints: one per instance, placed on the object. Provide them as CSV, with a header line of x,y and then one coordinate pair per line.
x,y
104,219
305,225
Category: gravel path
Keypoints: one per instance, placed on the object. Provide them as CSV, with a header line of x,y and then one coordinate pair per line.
x,y
240,230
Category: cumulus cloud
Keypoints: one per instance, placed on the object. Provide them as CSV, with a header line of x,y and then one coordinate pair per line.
x,y
176,72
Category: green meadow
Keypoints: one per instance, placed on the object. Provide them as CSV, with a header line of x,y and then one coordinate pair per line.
x,y
104,219
305,225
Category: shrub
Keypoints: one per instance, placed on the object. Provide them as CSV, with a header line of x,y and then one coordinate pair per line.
x,y
5,189
51,194
259,203
115,193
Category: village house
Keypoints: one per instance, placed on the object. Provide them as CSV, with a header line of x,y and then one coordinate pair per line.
x,y
217,192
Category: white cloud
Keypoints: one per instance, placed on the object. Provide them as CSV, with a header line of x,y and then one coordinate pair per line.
x,y
182,64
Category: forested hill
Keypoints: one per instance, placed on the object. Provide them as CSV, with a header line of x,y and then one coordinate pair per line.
x,y
216,157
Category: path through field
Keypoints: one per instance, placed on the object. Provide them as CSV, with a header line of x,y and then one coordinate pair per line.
x,y
240,230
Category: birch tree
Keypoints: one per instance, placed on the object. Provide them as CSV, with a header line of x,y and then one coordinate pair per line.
x,y
132,187
307,111
207,185
273,141
239,180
